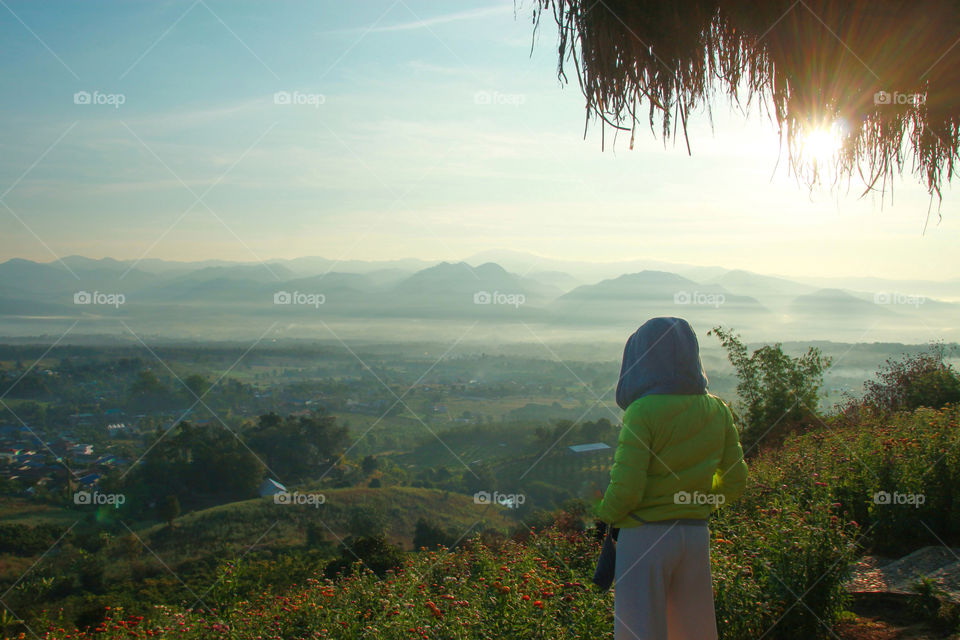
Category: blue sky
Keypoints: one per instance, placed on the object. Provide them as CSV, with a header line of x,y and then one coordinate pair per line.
x,y
414,129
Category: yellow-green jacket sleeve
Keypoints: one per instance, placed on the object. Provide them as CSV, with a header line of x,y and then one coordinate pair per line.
x,y
628,475
730,479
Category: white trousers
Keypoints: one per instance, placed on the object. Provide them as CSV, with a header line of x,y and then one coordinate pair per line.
x,y
662,589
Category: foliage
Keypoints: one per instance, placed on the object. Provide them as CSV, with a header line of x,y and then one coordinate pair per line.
x,y
776,392
780,556
196,461
369,464
169,509
930,602
430,535
895,476
921,380
366,520
373,552
24,540
539,588
297,445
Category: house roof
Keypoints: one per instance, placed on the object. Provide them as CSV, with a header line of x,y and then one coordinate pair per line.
x,y
593,446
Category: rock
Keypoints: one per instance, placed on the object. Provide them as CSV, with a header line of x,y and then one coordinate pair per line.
x,y
875,574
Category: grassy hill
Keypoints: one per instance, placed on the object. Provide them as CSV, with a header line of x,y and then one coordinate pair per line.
x,y
241,523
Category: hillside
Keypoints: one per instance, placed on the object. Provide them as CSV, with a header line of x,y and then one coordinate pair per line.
x,y
810,510
237,522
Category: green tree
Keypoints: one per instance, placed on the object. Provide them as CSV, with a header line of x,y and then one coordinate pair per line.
x,y
365,521
429,534
316,534
146,382
594,431
169,509
369,464
298,446
195,460
776,392
198,386
373,551
149,393
480,479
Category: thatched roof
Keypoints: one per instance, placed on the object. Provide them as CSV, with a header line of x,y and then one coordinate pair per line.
x,y
809,64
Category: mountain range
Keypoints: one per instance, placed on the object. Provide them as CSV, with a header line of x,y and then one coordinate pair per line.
x,y
194,297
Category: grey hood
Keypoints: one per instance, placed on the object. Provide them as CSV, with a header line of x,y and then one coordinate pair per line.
x,y
662,356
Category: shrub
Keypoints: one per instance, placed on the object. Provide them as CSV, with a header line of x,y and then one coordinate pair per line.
x,y
24,540
776,392
775,572
921,380
372,552
429,534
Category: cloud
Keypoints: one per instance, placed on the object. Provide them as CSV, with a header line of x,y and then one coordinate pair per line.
x,y
426,23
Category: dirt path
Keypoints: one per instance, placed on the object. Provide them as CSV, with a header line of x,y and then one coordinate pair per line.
x,y
888,619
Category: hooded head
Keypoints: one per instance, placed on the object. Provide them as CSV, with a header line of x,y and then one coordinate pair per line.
x,y
663,356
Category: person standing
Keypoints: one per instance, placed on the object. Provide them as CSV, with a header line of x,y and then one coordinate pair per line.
x,y
678,458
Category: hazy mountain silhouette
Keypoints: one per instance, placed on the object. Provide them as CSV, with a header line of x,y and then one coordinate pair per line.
x,y
208,295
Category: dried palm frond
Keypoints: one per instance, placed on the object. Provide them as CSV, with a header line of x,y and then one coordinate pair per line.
x,y
886,71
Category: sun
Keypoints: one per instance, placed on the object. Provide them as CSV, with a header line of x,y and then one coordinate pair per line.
x,y
821,144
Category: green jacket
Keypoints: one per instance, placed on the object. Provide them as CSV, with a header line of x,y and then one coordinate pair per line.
x,y
678,456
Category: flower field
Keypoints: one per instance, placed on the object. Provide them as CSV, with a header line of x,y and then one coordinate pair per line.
x,y
780,557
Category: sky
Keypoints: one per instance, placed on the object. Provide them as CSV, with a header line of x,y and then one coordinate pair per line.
x,y
197,129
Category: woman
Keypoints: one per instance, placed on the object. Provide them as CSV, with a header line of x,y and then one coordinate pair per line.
x,y
678,458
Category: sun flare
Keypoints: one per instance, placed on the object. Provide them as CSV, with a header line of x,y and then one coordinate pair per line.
x,y
821,144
